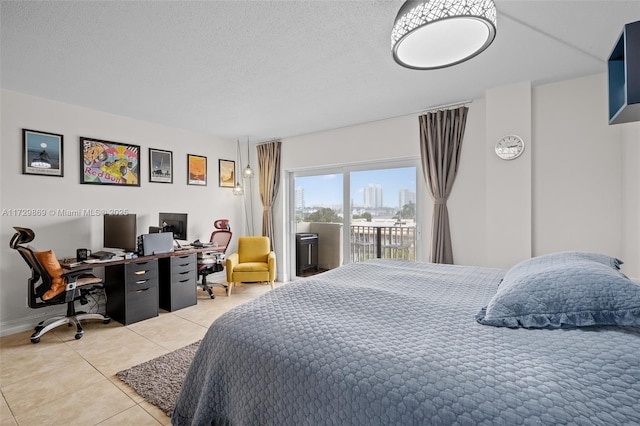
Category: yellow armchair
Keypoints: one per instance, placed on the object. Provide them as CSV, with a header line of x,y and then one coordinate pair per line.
x,y
254,262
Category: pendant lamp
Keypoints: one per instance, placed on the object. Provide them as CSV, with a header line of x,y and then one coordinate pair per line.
x,y
247,173
436,34
237,190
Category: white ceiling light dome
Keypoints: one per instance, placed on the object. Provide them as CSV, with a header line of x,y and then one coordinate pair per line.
x,y
436,34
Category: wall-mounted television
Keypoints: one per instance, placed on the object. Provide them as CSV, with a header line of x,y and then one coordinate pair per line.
x,y
119,231
174,222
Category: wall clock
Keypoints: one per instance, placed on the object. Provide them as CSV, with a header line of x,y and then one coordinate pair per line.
x,y
509,147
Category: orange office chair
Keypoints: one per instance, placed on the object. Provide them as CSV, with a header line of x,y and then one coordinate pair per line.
x,y
213,261
49,285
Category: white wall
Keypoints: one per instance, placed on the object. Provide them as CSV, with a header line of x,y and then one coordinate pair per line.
x,y
63,234
508,182
584,180
630,223
577,169
565,192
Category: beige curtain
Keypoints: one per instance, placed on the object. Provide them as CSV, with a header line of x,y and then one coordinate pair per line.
x,y
269,179
441,134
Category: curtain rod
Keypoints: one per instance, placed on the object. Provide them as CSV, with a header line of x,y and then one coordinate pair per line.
x,y
447,106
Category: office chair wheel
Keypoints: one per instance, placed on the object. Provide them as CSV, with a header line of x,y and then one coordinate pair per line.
x,y
35,340
78,336
106,320
213,296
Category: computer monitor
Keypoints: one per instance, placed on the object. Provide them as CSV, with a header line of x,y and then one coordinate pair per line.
x,y
120,231
174,222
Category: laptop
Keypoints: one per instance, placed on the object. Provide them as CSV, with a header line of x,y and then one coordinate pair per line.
x,y
161,242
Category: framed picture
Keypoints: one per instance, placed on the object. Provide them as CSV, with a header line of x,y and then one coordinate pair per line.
x,y
42,153
109,163
196,170
227,173
160,166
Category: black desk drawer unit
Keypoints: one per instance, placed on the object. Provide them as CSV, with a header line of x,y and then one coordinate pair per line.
x,y
139,275
132,291
142,304
178,275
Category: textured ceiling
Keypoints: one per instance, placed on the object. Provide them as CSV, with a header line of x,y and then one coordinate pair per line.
x,y
267,69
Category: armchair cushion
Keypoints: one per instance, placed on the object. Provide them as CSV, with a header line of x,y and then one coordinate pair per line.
x,y
49,261
253,249
252,267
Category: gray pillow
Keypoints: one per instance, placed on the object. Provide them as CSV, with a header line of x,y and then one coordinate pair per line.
x,y
567,257
563,290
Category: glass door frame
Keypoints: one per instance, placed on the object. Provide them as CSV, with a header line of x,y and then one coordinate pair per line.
x,y
346,170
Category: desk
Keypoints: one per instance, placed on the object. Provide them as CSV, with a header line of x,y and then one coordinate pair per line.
x,y
137,288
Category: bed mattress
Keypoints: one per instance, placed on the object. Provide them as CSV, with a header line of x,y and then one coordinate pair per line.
x,y
388,342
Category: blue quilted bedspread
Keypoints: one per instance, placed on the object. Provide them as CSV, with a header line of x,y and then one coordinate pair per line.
x,y
397,343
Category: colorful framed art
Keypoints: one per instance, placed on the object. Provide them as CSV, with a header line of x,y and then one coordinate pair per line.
x,y
109,163
196,170
227,173
160,166
42,153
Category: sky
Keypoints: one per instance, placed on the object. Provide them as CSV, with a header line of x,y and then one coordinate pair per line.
x,y
326,190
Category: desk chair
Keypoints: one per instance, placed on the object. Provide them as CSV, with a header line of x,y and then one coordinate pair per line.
x,y
49,285
254,262
213,261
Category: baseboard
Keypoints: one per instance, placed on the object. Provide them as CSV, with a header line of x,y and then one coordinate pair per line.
x,y
19,325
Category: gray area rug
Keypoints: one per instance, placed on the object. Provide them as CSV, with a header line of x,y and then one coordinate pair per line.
x,y
159,380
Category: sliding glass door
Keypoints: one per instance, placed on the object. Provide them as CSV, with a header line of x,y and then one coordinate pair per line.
x,y
383,214
352,214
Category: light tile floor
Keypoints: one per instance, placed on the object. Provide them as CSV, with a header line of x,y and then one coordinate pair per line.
x,y
63,381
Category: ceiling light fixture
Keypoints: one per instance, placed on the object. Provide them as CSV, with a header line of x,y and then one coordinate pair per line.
x,y
436,34
248,171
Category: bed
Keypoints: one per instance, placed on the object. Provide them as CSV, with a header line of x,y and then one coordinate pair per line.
x,y
388,342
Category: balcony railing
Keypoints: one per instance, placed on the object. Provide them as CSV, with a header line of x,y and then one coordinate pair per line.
x,y
383,242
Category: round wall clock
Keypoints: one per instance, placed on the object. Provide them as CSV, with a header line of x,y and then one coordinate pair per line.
x,y
509,147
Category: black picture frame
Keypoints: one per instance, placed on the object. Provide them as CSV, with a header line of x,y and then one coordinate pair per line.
x,y
196,170
42,153
109,163
160,166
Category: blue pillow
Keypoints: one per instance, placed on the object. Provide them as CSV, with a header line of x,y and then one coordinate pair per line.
x,y
567,257
564,290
